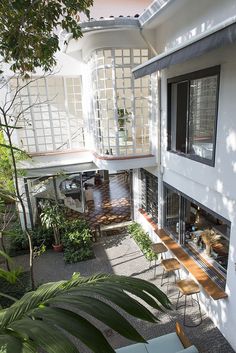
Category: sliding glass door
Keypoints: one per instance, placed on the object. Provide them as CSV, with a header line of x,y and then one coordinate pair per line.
x,y
202,232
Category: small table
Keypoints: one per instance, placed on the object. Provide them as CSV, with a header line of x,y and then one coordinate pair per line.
x,y
158,248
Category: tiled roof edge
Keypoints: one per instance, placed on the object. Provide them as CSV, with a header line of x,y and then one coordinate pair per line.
x,y
111,22
155,7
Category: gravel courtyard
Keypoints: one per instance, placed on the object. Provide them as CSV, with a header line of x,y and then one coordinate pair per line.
x,y
120,255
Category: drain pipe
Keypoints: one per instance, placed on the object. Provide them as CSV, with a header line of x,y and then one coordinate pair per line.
x,y
159,161
147,42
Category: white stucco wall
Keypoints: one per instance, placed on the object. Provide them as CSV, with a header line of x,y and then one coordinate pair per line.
x,y
214,187
191,18
107,38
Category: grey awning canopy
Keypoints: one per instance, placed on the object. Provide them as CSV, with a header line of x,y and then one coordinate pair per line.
x,y
217,39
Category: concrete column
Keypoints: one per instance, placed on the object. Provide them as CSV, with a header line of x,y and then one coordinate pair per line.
x,y
24,191
105,176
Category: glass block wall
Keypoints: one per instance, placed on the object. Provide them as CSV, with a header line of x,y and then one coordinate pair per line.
x,y
52,118
121,104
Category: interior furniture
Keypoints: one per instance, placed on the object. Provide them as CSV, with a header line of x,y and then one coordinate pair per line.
x,y
158,248
169,266
175,342
188,287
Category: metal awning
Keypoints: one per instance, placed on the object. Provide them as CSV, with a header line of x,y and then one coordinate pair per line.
x,y
64,170
215,38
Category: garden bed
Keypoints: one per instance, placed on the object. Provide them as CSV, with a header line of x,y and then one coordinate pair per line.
x,y
142,239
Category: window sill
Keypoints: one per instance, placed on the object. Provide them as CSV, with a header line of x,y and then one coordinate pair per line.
x,y
192,267
149,219
210,163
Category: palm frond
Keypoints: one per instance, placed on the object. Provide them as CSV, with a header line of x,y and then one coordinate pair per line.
x,y
48,316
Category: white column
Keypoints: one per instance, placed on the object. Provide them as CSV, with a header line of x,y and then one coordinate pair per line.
x,y
22,190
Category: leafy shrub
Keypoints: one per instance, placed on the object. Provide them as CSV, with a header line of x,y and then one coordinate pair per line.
x,y
142,239
73,225
42,236
19,242
73,256
77,242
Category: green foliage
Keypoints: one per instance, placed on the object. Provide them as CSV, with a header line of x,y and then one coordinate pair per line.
x,y
72,255
45,318
19,242
29,30
12,275
6,167
123,116
77,241
17,239
142,239
73,225
52,217
6,181
10,291
9,279
41,236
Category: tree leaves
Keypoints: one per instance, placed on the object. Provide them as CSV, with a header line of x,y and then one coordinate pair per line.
x,y
45,317
29,40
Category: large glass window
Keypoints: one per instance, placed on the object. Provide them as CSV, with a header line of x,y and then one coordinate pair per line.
x,y
203,233
192,114
149,194
121,104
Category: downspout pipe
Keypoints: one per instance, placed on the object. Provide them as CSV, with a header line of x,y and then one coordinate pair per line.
x,y
150,46
159,161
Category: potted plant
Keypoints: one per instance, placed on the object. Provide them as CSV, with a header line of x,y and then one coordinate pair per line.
x,y
123,118
52,218
209,237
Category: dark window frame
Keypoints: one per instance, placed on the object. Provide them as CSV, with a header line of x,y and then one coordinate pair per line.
x,y
180,193
149,197
211,71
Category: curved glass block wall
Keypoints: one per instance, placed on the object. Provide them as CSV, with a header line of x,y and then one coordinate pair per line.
x,y
121,104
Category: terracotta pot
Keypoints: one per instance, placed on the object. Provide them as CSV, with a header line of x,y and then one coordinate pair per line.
x,y
57,248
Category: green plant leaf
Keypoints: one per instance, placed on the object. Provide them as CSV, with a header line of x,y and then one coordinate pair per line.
x,y
123,300
31,300
45,317
8,296
77,326
10,344
102,312
44,336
